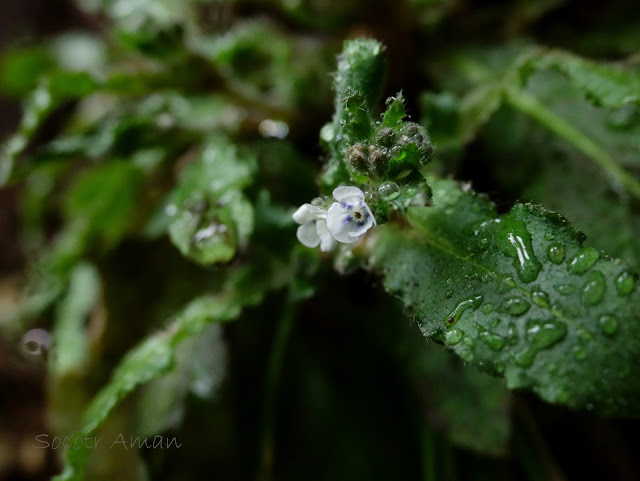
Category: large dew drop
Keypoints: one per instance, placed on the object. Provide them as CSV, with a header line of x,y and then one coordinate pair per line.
x,y
609,324
540,298
625,283
541,334
492,340
454,336
515,241
583,260
555,253
516,306
389,191
594,289
579,352
564,289
471,303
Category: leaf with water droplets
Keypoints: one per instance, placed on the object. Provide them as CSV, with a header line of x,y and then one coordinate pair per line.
x,y
559,318
210,217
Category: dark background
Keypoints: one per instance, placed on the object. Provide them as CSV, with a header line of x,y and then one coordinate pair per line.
x,y
583,446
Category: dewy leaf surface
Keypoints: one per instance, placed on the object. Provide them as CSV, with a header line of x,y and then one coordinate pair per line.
x,y
518,296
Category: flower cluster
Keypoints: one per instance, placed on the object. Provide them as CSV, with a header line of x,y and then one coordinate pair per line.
x,y
346,220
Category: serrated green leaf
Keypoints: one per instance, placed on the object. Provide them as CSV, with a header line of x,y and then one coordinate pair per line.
x,y
613,86
565,181
607,84
518,296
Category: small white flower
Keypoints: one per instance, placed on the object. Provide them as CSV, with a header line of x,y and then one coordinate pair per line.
x,y
349,218
313,227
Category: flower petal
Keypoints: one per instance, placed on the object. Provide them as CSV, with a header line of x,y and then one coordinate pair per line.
x,y
345,191
307,213
327,241
308,235
340,223
371,216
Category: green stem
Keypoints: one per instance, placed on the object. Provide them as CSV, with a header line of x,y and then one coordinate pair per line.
x,y
428,452
562,128
274,368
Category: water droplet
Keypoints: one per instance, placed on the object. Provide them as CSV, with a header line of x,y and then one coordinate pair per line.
x,y
276,129
515,241
208,233
456,314
516,306
389,191
579,352
624,283
584,335
583,260
608,324
499,367
467,341
549,236
466,355
487,309
512,334
555,253
317,201
453,336
557,310
483,242
564,289
494,341
540,298
594,289
36,342
494,322
541,334
507,284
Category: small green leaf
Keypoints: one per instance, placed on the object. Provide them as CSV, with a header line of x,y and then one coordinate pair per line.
x,y
488,287
70,343
211,218
153,357
199,368
395,113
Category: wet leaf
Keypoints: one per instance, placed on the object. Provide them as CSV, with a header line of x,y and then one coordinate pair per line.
x,y
518,296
